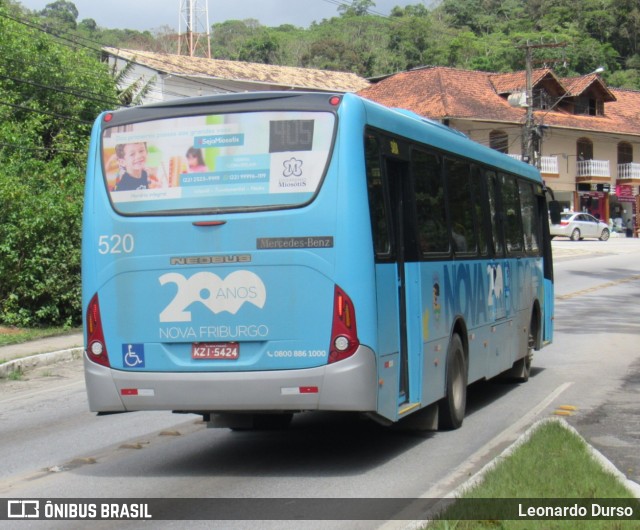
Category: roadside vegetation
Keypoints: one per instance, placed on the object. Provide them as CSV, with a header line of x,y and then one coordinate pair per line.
x,y
50,93
554,463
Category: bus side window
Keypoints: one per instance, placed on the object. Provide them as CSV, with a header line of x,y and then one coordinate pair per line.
x,y
377,209
513,220
461,211
530,218
433,234
479,198
496,221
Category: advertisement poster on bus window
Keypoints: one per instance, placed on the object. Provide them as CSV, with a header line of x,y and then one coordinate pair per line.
x,y
217,162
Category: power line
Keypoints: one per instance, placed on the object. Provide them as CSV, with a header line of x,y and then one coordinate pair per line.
x,y
54,33
47,113
73,44
82,95
87,96
22,147
57,89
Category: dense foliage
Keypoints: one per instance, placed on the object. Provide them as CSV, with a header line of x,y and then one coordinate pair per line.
x,y
52,85
50,92
474,34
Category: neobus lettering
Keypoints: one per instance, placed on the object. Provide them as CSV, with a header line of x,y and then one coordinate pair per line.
x,y
210,260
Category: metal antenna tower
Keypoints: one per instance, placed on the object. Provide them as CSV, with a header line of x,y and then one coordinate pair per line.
x,y
194,18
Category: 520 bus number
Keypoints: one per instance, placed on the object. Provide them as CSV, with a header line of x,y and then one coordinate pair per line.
x,y
116,244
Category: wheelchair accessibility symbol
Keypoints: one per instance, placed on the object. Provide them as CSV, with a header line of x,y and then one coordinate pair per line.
x,y
133,355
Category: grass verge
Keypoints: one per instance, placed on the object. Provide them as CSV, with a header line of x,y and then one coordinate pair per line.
x,y
554,464
11,335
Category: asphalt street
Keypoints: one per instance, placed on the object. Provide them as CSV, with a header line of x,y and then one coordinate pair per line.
x,y
613,429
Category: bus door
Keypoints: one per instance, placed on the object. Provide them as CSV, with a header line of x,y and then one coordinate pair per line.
x,y
397,286
547,266
499,282
496,298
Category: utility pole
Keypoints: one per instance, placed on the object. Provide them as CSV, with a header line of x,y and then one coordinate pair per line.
x,y
195,18
531,145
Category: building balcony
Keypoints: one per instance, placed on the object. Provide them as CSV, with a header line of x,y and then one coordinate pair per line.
x,y
593,170
628,173
548,164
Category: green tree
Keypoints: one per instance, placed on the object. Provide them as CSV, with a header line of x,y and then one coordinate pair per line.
x,y
49,96
417,38
130,93
263,47
88,25
358,44
60,15
594,33
626,36
357,8
132,39
230,37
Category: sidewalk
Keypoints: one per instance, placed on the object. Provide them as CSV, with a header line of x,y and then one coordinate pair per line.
x,y
564,249
42,352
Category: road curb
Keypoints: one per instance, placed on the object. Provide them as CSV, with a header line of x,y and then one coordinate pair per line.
x,y
42,359
605,463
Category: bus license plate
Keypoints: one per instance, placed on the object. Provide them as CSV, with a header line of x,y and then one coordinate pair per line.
x,y
215,350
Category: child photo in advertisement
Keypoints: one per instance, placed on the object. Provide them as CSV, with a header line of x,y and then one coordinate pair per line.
x,y
195,161
132,160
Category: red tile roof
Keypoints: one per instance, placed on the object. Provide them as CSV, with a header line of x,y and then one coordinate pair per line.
x,y
516,81
442,92
579,85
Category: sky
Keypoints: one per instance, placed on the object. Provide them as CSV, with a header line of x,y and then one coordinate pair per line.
x,y
152,14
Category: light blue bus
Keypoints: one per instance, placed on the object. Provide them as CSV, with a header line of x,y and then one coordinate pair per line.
x,y
250,256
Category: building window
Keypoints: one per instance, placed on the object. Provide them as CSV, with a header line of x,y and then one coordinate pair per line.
x,y
584,149
625,153
499,140
542,100
589,106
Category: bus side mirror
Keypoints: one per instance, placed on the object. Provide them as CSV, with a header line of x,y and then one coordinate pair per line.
x,y
554,212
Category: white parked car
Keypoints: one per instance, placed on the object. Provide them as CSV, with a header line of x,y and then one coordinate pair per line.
x,y
578,225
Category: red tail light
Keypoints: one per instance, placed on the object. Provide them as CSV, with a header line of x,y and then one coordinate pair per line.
x,y
564,223
344,334
96,349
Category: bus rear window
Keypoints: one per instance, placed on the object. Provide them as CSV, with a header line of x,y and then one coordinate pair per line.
x,y
212,163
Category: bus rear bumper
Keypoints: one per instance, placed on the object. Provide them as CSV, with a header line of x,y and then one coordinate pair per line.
x,y
348,385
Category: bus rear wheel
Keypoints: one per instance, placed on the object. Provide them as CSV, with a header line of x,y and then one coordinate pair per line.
x,y
522,367
453,405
